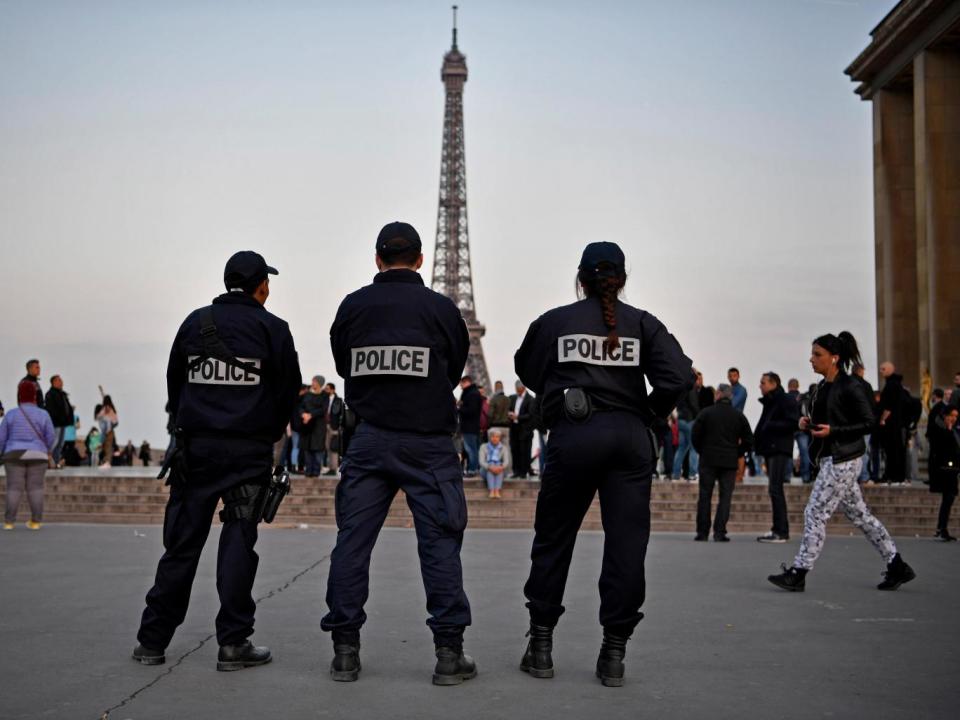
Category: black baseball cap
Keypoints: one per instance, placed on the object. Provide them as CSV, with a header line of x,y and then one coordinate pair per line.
x,y
403,234
244,268
597,253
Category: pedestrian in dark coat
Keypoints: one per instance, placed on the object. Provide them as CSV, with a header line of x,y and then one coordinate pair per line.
x,y
61,414
773,438
944,465
521,430
721,434
145,453
937,409
313,436
469,409
892,428
33,376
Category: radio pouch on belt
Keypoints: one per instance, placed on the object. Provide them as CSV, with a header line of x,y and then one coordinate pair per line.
x,y
348,426
214,347
576,405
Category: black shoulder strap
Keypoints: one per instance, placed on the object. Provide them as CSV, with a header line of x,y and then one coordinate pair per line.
x,y
214,347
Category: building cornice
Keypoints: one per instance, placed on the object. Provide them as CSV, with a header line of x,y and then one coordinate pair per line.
x,y
908,29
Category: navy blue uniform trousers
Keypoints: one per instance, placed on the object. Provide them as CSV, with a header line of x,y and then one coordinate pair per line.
x,y
380,462
612,454
215,466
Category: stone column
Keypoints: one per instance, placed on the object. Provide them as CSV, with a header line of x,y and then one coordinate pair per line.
x,y
936,76
895,231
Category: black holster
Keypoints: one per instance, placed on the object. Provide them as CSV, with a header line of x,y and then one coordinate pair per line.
x,y
256,501
276,490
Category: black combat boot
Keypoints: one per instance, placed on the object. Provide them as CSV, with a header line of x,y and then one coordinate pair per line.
x,y
238,657
792,579
537,660
346,659
148,656
610,661
898,573
453,667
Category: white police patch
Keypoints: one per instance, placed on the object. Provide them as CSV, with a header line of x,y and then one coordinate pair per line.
x,y
390,360
216,372
591,349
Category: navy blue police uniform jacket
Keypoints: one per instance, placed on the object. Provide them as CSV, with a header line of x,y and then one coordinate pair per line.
x,y
221,400
401,348
565,348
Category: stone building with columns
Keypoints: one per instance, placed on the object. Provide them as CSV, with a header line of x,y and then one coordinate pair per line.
x,y
910,71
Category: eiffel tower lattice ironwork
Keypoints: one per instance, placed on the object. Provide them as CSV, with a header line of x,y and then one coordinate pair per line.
x,y
452,275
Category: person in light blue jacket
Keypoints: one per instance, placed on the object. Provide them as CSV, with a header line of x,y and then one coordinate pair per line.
x,y
26,440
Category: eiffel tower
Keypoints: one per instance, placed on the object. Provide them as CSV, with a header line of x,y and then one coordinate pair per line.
x,y
452,275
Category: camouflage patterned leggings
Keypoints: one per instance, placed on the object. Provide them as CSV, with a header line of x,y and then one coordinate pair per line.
x,y
837,486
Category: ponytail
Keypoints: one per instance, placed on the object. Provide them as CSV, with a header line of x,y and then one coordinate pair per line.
x,y
843,346
605,287
851,352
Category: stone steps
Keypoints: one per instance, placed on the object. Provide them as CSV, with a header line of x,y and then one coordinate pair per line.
x,y
140,500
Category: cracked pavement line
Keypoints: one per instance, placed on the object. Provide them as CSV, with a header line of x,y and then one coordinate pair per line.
x,y
276,591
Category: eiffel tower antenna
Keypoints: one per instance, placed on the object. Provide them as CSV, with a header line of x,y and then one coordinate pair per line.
x,y
454,27
452,275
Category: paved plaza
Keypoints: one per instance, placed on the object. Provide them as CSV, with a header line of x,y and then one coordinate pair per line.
x,y
718,641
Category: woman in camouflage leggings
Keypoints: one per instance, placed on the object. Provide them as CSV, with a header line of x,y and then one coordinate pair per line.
x,y
840,416
837,486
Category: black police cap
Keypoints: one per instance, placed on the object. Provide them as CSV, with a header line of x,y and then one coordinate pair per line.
x,y
244,268
397,237
598,253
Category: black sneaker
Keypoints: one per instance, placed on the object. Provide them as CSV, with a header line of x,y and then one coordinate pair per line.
x,y
453,667
148,656
701,538
792,579
897,573
538,660
945,536
772,537
721,537
238,657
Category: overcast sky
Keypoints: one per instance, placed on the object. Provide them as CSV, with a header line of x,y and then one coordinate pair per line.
x,y
141,143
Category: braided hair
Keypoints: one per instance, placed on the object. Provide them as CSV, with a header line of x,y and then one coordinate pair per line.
x,y
842,345
605,285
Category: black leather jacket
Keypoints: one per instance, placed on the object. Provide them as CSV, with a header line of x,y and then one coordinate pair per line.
x,y
850,416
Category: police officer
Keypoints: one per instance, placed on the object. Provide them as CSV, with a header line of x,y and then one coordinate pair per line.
x,y
587,363
401,348
232,381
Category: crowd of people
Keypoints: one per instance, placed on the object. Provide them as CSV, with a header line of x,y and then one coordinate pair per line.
x,y
41,434
497,432
706,440
495,437
311,444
